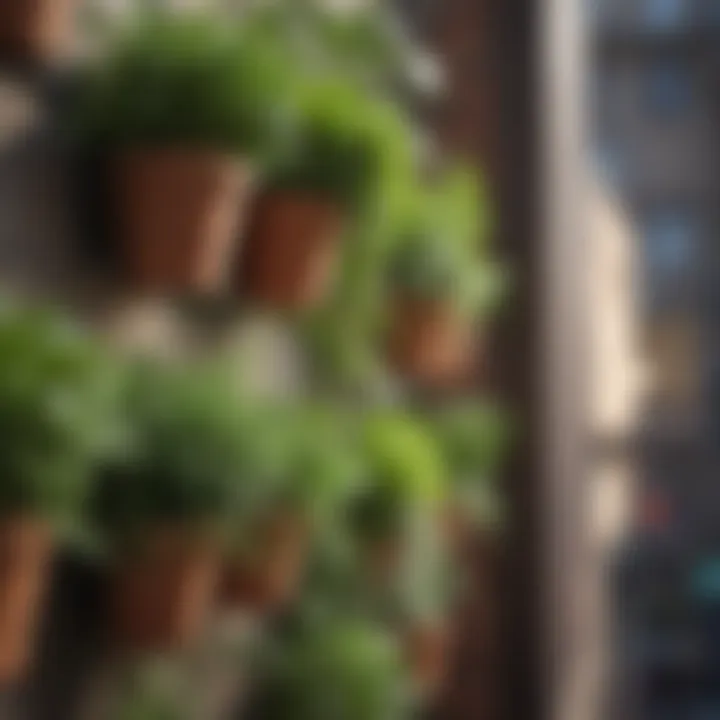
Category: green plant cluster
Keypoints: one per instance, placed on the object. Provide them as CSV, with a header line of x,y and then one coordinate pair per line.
x,y
306,103
171,80
205,81
442,244
126,446
328,667
57,391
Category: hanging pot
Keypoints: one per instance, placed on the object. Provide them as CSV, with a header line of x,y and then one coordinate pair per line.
x,y
457,528
428,654
430,342
35,29
26,550
292,250
179,213
267,576
164,589
382,557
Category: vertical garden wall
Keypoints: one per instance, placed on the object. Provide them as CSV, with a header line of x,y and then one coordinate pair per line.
x,y
245,451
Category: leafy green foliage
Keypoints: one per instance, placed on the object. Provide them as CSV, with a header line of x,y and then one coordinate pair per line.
x,y
405,473
56,400
152,692
186,452
323,467
475,438
186,80
365,45
331,668
442,244
342,143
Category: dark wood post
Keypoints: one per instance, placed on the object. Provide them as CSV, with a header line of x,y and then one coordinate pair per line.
x,y
515,106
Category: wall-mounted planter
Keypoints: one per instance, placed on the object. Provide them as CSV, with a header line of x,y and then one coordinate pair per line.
x,y
430,342
457,528
179,212
381,559
428,653
268,577
36,30
292,250
164,590
26,548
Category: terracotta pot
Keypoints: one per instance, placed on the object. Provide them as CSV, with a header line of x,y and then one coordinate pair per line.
x,y
430,342
382,558
25,555
268,577
428,654
35,29
457,529
164,590
292,251
179,213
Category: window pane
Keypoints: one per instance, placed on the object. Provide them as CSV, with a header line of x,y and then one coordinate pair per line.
x,y
669,89
669,237
664,14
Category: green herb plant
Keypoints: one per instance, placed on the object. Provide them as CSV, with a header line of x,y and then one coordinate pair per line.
x,y
441,252
57,394
184,459
366,45
189,80
405,475
340,144
335,668
305,462
475,437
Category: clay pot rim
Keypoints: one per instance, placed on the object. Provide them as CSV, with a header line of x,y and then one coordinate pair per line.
x,y
440,304
191,151
193,533
294,520
39,520
319,201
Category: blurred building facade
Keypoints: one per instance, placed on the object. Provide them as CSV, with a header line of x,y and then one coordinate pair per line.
x,y
655,106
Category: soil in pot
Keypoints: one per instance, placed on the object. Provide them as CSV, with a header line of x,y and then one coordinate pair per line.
x,y
430,342
164,590
35,30
268,574
428,654
292,251
179,213
26,550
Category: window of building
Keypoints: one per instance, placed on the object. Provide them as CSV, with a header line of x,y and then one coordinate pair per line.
x,y
669,247
710,12
612,163
664,15
669,236
669,89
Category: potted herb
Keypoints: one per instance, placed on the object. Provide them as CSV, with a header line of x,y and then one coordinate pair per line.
x,y
154,691
334,668
310,472
405,481
474,437
35,29
189,107
442,282
163,502
421,607
342,141
55,408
